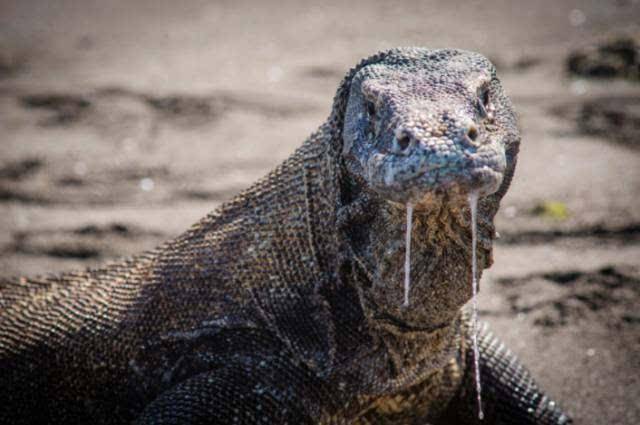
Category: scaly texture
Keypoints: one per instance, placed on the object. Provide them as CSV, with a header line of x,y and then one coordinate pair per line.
x,y
285,304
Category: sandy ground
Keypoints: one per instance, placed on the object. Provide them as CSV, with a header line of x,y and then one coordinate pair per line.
x,y
123,122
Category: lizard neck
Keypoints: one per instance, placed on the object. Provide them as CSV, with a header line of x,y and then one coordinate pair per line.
x,y
413,339
440,263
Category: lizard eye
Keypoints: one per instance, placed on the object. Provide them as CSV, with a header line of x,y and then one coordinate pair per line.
x,y
484,97
483,100
371,109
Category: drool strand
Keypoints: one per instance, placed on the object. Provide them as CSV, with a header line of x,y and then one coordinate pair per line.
x,y
407,255
473,205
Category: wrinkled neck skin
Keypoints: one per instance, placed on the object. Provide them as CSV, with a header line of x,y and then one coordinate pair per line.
x,y
441,271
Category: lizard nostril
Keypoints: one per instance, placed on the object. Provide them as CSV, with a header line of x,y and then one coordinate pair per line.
x,y
403,141
472,133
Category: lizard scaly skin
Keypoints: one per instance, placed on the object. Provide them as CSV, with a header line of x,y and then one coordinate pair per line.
x,y
285,304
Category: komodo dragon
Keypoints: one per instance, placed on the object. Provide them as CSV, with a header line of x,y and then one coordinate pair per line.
x,y
284,305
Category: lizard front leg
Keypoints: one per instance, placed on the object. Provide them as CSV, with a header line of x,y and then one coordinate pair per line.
x,y
246,391
509,393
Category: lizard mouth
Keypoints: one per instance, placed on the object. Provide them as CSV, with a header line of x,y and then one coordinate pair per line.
x,y
484,180
448,188
404,182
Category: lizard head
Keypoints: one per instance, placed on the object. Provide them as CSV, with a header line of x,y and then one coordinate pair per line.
x,y
423,122
426,127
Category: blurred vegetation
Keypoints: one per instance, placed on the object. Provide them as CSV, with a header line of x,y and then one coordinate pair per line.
x,y
551,209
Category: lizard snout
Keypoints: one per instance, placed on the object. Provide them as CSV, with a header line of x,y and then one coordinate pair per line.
x,y
423,159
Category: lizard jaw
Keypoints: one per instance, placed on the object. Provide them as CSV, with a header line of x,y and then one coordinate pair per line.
x,y
411,178
435,183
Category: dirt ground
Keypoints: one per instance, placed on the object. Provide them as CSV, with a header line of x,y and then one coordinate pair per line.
x,y
123,122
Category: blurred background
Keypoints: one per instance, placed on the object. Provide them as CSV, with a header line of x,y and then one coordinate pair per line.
x,y
123,122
